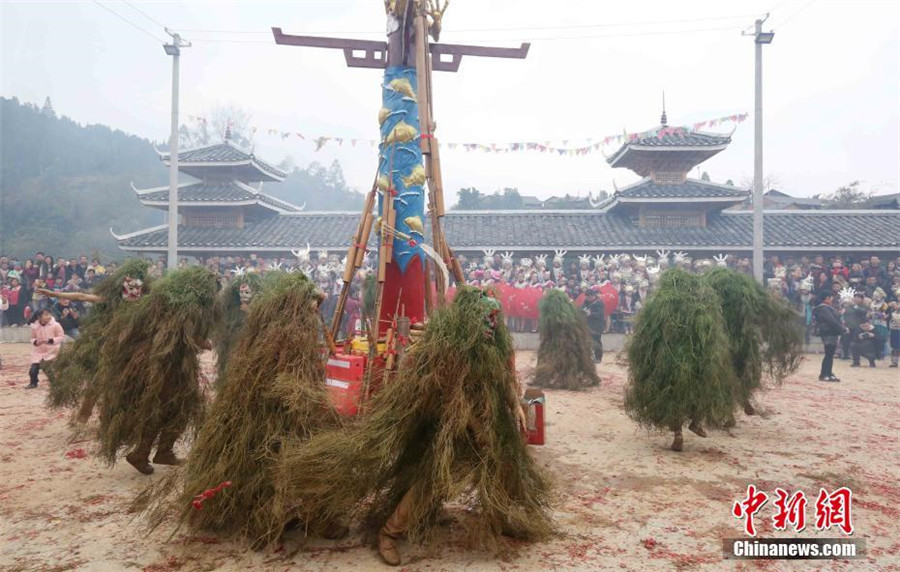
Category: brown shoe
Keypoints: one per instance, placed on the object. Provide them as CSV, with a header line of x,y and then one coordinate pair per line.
x,y
387,548
698,429
167,458
139,462
748,408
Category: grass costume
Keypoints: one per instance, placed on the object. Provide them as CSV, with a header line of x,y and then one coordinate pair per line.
x,y
446,427
235,299
564,358
763,334
274,389
150,367
76,367
679,361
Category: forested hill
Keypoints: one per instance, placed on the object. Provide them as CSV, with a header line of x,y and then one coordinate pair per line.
x,y
63,185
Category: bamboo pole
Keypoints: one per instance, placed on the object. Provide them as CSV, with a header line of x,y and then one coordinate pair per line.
x,y
354,254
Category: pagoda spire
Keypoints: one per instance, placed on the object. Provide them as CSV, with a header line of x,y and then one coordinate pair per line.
x,y
663,120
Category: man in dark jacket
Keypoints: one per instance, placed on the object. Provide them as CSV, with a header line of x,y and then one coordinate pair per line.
x,y
829,329
595,310
853,317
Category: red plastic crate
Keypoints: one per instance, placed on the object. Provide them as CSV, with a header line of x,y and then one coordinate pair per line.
x,y
533,402
344,380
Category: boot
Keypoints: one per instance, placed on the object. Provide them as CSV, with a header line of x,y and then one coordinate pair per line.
x,y
678,442
895,358
697,428
139,456
392,529
165,453
748,408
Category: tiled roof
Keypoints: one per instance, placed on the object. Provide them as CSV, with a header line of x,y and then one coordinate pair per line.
x,y
690,189
677,139
546,230
225,152
218,192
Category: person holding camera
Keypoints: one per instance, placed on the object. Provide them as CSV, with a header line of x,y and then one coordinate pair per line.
x,y
68,315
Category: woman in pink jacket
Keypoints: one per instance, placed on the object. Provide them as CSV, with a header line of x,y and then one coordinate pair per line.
x,y
46,337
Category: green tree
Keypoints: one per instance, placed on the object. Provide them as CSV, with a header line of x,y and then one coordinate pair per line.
x,y
469,199
848,196
320,188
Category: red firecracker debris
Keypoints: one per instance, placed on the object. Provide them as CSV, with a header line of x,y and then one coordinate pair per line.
x,y
76,454
197,503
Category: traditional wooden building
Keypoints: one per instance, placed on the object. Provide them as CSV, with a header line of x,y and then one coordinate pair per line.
x,y
224,194
225,215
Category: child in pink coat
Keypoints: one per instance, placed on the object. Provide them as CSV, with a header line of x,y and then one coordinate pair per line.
x,y
46,337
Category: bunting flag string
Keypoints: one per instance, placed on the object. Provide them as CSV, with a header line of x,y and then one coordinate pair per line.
x,y
593,143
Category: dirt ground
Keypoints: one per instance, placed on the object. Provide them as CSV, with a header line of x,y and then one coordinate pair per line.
x,y
625,502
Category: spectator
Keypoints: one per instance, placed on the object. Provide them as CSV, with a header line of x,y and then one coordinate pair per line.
x,y
864,344
830,328
68,315
46,271
30,273
82,267
595,310
15,301
878,314
46,337
894,326
4,307
75,284
854,315
99,270
90,279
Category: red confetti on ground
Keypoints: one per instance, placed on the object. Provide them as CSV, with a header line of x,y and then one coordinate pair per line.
x,y
650,543
197,503
76,454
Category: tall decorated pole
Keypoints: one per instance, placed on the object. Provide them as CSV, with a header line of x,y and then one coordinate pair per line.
x,y
408,60
401,175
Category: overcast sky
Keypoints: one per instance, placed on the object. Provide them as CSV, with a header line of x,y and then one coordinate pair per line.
x,y
831,77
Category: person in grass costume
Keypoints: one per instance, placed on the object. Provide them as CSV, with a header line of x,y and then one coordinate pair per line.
x,y
76,367
273,390
680,366
564,357
764,338
148,378
235,299
448,426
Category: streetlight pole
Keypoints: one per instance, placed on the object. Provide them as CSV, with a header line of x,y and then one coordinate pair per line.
x,y
759,38
174,50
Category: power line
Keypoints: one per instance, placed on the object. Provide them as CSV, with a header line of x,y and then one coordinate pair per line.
x,y
529,39
794,15
509,29
127,21
144,14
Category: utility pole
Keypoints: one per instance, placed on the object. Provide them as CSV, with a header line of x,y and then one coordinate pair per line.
x,y
759,38
174,50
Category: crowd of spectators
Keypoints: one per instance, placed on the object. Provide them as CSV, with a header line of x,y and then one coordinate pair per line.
x,y
865,290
